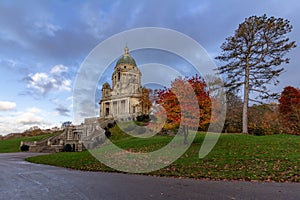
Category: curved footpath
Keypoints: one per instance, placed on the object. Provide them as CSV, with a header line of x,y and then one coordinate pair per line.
x,y
22,180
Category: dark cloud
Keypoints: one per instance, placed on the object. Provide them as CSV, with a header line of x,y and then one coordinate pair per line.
x,y
63,111
64,32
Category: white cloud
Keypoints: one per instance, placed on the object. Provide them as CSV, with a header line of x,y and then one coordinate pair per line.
x,y
65,85
45,83
47,28
21,121
7,105
58,69
29,118
34,110
40,81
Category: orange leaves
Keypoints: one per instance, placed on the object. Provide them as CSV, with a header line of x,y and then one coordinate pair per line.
x,y
187,102
289,109
267,122
145,100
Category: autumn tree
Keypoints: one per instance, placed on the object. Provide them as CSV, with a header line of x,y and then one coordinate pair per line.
x,y
253,55
187,103
233,121
145,101
267,123
289,109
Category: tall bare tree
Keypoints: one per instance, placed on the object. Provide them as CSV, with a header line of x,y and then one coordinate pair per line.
x,y
252,57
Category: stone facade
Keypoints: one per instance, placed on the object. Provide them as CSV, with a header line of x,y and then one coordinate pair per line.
x,y
121,101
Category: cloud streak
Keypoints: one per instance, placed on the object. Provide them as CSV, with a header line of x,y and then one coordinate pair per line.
x,y
63,111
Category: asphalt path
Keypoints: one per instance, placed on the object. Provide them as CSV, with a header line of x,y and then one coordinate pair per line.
x,y
23,180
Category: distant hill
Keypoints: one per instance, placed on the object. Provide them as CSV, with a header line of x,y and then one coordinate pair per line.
x,y
13,144
28,133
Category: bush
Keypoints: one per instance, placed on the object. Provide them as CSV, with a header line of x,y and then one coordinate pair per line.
x,y
257,131
67,148
143,118
107,134
24,147
110,125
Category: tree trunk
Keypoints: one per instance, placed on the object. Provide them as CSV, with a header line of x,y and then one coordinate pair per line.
x,y
246,100
185,134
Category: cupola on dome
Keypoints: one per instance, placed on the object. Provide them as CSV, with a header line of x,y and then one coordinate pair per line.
x,y
126,58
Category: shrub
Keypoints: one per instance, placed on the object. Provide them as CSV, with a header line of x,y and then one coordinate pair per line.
x,y
24,147
107,134
143,118
257,131
110,125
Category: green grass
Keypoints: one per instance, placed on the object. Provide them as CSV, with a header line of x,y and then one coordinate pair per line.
x,y
13,145
235,157
118,134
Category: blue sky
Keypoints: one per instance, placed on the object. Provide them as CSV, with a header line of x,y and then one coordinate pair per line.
x,y
43,43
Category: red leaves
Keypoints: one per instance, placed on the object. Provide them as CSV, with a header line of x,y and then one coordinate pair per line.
x,y
289,109
187,102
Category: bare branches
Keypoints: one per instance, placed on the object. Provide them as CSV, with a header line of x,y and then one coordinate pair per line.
x,y
261,44
253,54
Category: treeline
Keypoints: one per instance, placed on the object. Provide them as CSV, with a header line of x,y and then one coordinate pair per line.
x,y
266,119
188,103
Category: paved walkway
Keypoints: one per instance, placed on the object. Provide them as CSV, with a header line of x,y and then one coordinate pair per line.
x,y
23,180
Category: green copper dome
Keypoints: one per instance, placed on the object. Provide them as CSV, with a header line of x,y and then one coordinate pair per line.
x,y
126,58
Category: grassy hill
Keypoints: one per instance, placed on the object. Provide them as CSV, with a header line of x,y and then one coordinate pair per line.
x,y
235,157
13,145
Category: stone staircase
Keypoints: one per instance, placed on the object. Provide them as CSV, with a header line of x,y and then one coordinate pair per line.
x,y
98,137
55,143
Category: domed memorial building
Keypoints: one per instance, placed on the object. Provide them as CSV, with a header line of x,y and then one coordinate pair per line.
x,y
121,100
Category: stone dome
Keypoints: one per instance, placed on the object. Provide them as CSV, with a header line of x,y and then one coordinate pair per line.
x,y
126,58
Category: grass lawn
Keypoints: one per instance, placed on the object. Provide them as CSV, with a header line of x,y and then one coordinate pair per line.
x,y
13,145
235,157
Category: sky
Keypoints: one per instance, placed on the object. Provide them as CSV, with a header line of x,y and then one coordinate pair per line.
x,y
44,43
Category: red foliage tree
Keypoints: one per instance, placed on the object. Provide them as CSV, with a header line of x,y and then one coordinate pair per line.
x,y
187,103
289,109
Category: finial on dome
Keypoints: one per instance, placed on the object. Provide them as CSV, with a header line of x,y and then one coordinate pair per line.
x,y
126,50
